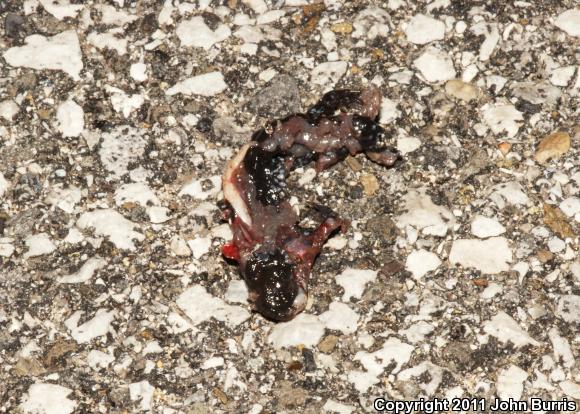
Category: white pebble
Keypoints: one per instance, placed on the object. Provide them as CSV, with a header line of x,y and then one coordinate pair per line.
x,y
207,84
422,214
328,73
4,185
70,118
421,262
389,111
123,102
562,76
492,290
86,271
424,29
490,256
570,206
506,329
435,65
237,292
8,109
258,6
222,231
38,245
59,52
138,71
199,246
179,246
353,282
502,118
510,383
194,188
340,317
417,332
142,392
332,406
511,192
304,329
61,8
196,33
200,306
99,359
337,243
571,389
213,362
98,326
556,245
6,247
47,399
460,27
393,352
109,40
110,223
484,227
138,193
158,214
569,21
408,144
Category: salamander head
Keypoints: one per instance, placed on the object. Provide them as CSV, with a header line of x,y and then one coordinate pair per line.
x,y
274,290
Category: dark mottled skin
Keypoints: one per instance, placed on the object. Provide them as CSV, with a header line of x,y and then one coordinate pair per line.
x,y
275,255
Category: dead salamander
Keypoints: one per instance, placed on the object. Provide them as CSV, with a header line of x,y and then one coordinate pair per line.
x,y
274,254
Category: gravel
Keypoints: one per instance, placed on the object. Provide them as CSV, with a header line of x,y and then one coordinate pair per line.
x,y
459,274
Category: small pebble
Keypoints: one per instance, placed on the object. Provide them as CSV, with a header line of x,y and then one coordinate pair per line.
x,y
328,344
342,28
370,184
504,147
461,90
552,146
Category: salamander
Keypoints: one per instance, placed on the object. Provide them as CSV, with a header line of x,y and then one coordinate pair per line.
x,y
275,255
